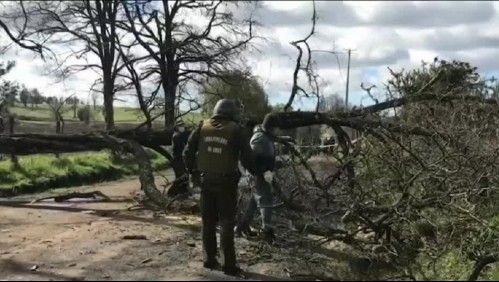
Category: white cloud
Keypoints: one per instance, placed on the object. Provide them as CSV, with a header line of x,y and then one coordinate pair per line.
x,y
395,34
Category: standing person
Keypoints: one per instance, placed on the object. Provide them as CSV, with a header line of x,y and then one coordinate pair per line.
x,y
263,150
179,140
211,158
2,127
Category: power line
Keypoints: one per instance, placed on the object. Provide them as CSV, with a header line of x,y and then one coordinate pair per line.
x,y
335,53
347,82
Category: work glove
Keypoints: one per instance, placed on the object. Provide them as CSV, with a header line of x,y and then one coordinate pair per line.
x,y
268,176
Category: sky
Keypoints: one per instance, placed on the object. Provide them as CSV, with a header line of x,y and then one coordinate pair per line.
x,y
381,34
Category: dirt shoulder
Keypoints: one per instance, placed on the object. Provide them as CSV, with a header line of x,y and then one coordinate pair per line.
x,y
82,240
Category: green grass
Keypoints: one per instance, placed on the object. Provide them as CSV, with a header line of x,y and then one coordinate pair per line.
x,y
43,113
43,172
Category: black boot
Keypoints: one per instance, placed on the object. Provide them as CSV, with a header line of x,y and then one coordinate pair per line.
x,y
232,271
212,265
268,235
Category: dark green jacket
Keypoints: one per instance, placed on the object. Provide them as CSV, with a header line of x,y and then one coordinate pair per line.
x,y
216,145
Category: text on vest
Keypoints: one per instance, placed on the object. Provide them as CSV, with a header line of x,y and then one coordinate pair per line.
x,y
216,139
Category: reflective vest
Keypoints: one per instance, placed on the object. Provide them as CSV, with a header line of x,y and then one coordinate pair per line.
x,y
217,151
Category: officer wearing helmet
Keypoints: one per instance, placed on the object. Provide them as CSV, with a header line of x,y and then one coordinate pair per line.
x,y
211,157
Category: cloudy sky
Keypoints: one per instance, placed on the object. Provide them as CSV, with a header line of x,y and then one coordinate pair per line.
x,y
394,34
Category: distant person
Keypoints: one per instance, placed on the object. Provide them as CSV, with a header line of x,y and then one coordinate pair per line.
x,y
179,141
211,158
2,126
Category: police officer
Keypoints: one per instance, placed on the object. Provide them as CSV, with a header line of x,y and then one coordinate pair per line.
x,y
263,150
211,157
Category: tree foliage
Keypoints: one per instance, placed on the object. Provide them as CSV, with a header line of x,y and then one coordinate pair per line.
x,y
85,114
238,86
415,191
280,108
332,104
25,97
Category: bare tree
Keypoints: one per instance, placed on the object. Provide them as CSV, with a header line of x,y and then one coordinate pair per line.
x,y
74,105
57,108
14,22
307,68
88,29
57,111
133,79
94,96
182,51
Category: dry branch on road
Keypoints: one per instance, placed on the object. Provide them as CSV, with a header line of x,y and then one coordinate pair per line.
x,y
65,197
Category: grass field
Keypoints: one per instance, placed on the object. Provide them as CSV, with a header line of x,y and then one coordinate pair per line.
x,y
40,119
41,172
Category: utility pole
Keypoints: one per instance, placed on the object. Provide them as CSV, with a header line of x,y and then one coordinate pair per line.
x,y
349,52
348,76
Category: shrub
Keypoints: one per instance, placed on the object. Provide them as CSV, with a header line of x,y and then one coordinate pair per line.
x,y
85,114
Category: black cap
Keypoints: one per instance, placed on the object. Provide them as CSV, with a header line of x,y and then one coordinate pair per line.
x,y
271,121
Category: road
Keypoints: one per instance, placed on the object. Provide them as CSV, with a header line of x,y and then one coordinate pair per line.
x,y
82,240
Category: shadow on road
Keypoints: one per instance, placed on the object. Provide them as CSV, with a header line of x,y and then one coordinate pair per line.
x,y
115,214
15,267
14,202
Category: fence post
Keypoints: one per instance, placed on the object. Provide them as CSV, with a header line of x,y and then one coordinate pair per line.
x,y
13,158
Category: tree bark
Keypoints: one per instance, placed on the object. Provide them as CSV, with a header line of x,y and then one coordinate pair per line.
x,y
480,264
46,144
13,157
29,144
108,106
170,88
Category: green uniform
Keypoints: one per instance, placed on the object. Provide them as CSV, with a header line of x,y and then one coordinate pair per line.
x,y
213,151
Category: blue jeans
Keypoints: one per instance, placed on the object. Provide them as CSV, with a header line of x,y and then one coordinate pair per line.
x,y
261,199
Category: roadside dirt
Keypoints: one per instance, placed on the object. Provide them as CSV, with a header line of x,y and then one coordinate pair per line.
x,y
83,240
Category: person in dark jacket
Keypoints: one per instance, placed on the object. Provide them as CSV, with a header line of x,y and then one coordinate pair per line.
x,y
263,149
211,157
179,140
2,127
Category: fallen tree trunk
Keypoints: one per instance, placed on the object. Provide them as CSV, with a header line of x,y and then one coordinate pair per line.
x,y
29,144
480,265
146,176
25,144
